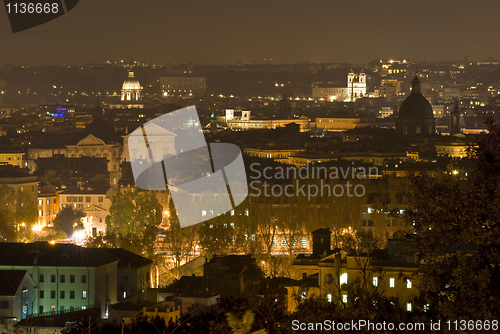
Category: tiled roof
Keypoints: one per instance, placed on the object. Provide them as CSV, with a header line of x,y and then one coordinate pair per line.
x,y
10,281
45,254
127,258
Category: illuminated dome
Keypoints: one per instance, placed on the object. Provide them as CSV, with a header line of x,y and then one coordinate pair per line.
x,y
131,88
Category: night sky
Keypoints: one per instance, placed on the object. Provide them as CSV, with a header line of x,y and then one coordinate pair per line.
x,y
287,31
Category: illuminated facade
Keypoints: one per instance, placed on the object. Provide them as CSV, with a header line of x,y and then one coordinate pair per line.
x,y
354,90
131,89
14,159
48,205
94,203
244,122
337,123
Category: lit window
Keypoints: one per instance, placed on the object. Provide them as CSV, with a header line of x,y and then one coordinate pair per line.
x,y
283,242
303,242
344,298
84,294
408,307
408,283
203,213
391,282
343,279
329,297
375,281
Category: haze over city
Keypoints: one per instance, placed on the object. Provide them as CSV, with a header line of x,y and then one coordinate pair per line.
x,y
222,31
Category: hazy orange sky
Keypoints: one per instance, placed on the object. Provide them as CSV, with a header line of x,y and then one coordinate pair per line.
x,y
288,31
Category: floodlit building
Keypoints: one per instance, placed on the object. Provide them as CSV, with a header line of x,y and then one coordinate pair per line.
x,y
242,120
11,158
48,205
95,203
354,89
131,89
130,94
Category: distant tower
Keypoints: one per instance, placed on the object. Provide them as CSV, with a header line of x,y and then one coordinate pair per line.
x,y
361,85
457,120
362,78
350,85
131,88
285,107
350,78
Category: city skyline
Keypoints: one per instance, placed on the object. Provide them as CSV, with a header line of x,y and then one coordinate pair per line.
x,y
280,32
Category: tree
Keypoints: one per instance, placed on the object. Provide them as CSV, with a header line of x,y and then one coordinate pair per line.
x,y
133,222
244,325
7,213
18,213
180,242
67,219
458,232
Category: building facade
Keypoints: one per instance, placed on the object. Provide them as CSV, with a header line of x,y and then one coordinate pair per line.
x,y
355,89
183,85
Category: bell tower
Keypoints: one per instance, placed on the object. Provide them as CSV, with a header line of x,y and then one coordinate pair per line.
x,y
457,120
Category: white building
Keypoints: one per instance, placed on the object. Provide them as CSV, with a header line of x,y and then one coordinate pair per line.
x,y
241,120
354,90
95,204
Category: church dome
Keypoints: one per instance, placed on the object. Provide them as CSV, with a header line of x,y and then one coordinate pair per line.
x,y
131,83
416,105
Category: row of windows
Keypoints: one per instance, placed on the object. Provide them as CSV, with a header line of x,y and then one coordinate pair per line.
x,y
61,308
40,212
283,242
80,199
62,278
375,280
344,300
62,294
11,158
40,201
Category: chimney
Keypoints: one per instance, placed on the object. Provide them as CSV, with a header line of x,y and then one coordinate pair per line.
x,y
321,241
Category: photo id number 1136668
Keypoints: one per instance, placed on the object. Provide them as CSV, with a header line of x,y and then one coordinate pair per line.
x,y
33,8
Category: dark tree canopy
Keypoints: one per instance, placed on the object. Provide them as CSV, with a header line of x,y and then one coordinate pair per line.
x,y
458,235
